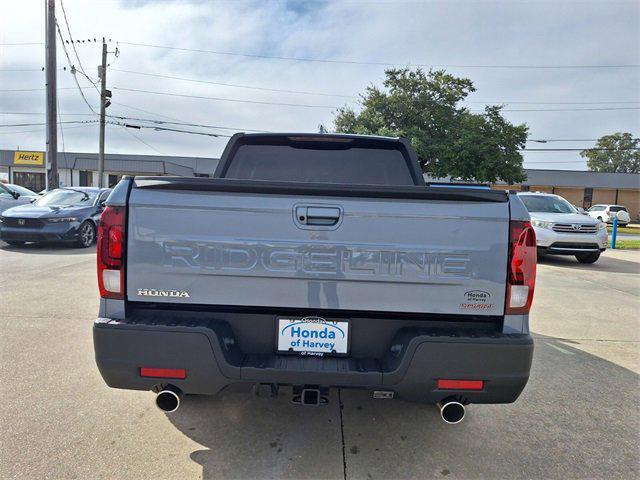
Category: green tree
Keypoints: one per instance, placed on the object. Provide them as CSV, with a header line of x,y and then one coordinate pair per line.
x,y
618,153
449,139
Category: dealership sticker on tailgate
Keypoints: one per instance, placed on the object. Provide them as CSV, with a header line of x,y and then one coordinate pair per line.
x,y
312,336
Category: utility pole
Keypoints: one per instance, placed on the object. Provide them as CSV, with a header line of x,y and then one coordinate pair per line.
x,y
103,106
51,167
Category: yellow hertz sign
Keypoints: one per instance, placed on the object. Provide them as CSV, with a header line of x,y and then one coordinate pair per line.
x,y
28,158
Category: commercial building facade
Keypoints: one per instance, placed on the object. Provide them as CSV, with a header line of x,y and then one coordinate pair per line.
x,y
585,189
27,168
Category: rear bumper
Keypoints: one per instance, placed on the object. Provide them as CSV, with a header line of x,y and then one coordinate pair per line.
x,y
213,360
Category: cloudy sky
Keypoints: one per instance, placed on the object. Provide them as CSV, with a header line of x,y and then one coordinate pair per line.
x,y
470,38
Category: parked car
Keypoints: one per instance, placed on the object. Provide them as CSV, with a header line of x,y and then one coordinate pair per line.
x,y
13,195
64,214
562,230
311,262
606,214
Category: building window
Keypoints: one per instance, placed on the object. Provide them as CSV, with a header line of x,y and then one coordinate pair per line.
x,y
524,188
588,198
86,178
113,180
35,182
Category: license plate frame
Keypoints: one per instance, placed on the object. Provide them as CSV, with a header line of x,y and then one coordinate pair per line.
x,y
313,323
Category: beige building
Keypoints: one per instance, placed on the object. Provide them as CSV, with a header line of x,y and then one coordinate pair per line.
x,y
585,189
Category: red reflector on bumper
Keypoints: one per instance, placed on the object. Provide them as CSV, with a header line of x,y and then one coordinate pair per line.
x,y
460,384
163,372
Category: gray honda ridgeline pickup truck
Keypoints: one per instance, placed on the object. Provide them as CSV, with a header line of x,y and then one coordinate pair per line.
x,y
313,261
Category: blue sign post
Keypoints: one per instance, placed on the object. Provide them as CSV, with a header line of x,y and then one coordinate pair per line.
x,y
614,232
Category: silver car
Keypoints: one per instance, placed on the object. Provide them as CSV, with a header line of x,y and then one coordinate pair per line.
x,y
562,230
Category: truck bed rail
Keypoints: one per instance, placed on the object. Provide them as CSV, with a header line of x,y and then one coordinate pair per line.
x,y
469,194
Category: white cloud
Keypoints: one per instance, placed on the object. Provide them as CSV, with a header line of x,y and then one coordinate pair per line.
x,y
406,32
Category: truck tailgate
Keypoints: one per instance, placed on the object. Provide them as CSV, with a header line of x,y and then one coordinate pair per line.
x,y
353,252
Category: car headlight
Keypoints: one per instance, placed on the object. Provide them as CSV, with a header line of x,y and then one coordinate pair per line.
x,y
61,219
602,226
541,224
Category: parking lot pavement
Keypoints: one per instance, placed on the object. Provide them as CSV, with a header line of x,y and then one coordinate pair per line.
x,y
578,417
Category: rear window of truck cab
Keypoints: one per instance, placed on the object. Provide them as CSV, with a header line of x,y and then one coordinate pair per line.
x,y
335,160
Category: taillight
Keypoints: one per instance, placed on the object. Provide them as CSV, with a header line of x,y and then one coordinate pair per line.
x,y
110,252
522,267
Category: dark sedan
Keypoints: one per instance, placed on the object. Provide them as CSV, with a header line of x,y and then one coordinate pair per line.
x,y
62,215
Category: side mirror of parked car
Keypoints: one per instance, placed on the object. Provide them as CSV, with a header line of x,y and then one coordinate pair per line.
x,y
102,203
582,211
15,195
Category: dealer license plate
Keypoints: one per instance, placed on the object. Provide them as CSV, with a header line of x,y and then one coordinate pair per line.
x,y
313,336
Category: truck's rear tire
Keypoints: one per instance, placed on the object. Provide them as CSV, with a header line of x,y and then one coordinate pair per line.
x,y
588,257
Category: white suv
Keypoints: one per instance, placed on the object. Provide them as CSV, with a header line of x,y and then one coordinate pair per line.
x,y
606,213
562,230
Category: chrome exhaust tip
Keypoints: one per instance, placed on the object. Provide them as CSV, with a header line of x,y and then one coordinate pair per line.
x,y
168,399
451,411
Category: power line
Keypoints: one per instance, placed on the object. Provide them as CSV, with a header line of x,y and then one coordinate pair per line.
x,y
129,125
548,140
383,64
550,103
13,90
235,85
16,44
555,162
75,79
599,109
223,99
73,45
185,124
178,121
44,123
595,109
241,129
201,97
146,111
42,113
142,141
13,132
9,90
41,69
253,87
595,149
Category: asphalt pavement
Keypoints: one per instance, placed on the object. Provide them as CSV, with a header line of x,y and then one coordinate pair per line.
x,y
577,418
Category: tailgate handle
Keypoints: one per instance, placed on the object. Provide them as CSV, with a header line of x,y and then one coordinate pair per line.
x,y
323,216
